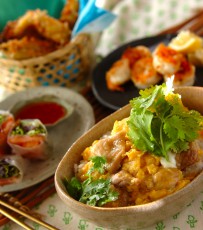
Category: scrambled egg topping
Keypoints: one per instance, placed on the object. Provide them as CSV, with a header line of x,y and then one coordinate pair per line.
x,y
139,177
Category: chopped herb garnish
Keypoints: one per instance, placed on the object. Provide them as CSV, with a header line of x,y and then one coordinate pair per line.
x,y
160,123
92,192
98,164
98,192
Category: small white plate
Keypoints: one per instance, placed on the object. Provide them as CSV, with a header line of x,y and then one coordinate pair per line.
x,y
60,136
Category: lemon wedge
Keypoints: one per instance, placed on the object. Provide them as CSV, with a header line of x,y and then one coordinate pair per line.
x,y
186,42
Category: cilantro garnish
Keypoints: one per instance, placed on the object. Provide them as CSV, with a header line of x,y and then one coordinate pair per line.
x,y
160,123
98,164
98,192
92,192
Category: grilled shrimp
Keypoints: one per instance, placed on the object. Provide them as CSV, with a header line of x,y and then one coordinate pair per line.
x,y
118,74
185,76
133,54
166,61
143,73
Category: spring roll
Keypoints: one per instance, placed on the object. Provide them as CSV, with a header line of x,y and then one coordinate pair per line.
x,y
11,169
28,138
6,123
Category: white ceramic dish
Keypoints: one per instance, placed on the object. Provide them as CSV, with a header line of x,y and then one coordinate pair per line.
x,y
61,136
132,217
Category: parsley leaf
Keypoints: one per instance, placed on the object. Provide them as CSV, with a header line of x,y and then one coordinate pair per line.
x,y
98,192
73,187
160,123
92,192
98,164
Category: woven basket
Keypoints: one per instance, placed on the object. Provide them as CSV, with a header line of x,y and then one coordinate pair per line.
x,y
67,67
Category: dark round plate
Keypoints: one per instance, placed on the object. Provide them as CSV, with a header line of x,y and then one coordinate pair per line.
x,y
116,100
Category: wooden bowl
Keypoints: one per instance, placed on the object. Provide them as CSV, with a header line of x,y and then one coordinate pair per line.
x,y
135,217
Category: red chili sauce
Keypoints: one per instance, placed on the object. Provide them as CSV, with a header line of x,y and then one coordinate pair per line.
x,y
46,112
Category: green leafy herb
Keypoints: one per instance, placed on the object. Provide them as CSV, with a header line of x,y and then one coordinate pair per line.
x,y
7,170
36,130
74,187
26,128
92,192
98,164
160,123
18,130
2,118
98,192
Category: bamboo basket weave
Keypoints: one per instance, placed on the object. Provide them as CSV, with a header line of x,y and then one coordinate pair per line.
x,y
66,67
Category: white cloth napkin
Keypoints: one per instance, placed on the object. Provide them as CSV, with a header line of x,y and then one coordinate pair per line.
x,y
142,18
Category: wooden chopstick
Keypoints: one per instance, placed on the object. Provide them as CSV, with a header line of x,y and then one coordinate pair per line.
x,y
15,219
189,23
28,198
24,214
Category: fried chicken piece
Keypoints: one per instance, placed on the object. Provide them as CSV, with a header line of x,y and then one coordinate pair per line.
x,y
46,26
26,47
69,13
7,32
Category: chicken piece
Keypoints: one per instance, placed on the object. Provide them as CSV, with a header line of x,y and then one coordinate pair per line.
x,y
69,13
143,74
7,32
166,61
112,148
189,157
48,27
123,179
117,75
26,48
